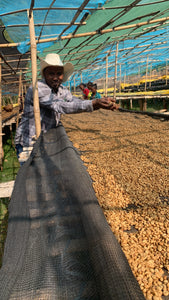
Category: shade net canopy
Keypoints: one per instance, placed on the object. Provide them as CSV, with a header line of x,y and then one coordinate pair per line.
x,y
85,32
59,244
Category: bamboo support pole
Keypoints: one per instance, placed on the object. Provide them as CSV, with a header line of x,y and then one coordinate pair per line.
x,y
166,73
34,74
21,91
146,75
89,50
106,82
46,24
120,86
150,75
1,146
19,96
92,33
115,73
74,84
124,79
120,80
76,8
16,82
138,77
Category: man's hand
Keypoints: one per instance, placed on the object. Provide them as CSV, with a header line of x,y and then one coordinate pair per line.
x,y
105,103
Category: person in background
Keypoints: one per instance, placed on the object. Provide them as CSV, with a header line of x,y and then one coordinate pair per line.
x,y
85,90
54,99
95,94
89,85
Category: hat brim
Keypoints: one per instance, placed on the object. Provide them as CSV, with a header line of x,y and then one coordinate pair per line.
x,y
68,69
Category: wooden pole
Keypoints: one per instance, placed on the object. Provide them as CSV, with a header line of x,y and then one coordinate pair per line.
x,y
166,73
34,74
124,79
74,84
120,80
120,86
150,75
1,146
115,75
106,82
19,97
92,33
146,75
138,79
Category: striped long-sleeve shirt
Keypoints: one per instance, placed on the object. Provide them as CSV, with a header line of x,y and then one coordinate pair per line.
x,y
52,105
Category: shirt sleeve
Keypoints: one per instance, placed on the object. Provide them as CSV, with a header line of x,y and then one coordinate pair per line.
x,y
75,106
63,102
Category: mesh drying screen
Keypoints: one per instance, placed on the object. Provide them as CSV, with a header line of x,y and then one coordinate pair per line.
x,y
59,244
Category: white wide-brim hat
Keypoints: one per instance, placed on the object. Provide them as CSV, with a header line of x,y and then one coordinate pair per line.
x,y
53,59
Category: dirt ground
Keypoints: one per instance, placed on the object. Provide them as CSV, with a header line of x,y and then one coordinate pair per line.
x,y
127,156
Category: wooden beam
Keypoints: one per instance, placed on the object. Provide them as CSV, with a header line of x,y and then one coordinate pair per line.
x,y
92,33
106,82
19,95
76,8
40,24
34,74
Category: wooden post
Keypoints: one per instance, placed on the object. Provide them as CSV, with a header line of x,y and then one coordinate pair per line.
x,y
19,96
115,72
166,73
34,74
25,89
74,84
120,86
1,146
146,75
144,104
141,104
22,95
131,103
106,82
150,75
124,79
138,77
165,103
120,80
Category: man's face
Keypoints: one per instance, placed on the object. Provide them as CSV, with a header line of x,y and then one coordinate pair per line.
x,y
54,76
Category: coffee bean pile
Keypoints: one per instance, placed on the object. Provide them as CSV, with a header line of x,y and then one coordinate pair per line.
x,y
127,157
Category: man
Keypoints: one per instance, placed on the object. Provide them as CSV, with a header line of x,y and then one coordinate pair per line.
x,y
54,99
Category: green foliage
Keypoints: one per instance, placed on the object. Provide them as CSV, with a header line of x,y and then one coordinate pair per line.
x,y
4,202
9,172
10,162
152,105
5,33
9,99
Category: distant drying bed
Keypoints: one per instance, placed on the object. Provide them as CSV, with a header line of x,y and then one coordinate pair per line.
x,y
127,156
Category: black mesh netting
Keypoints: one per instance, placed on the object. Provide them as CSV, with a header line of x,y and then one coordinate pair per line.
x,y
59,244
